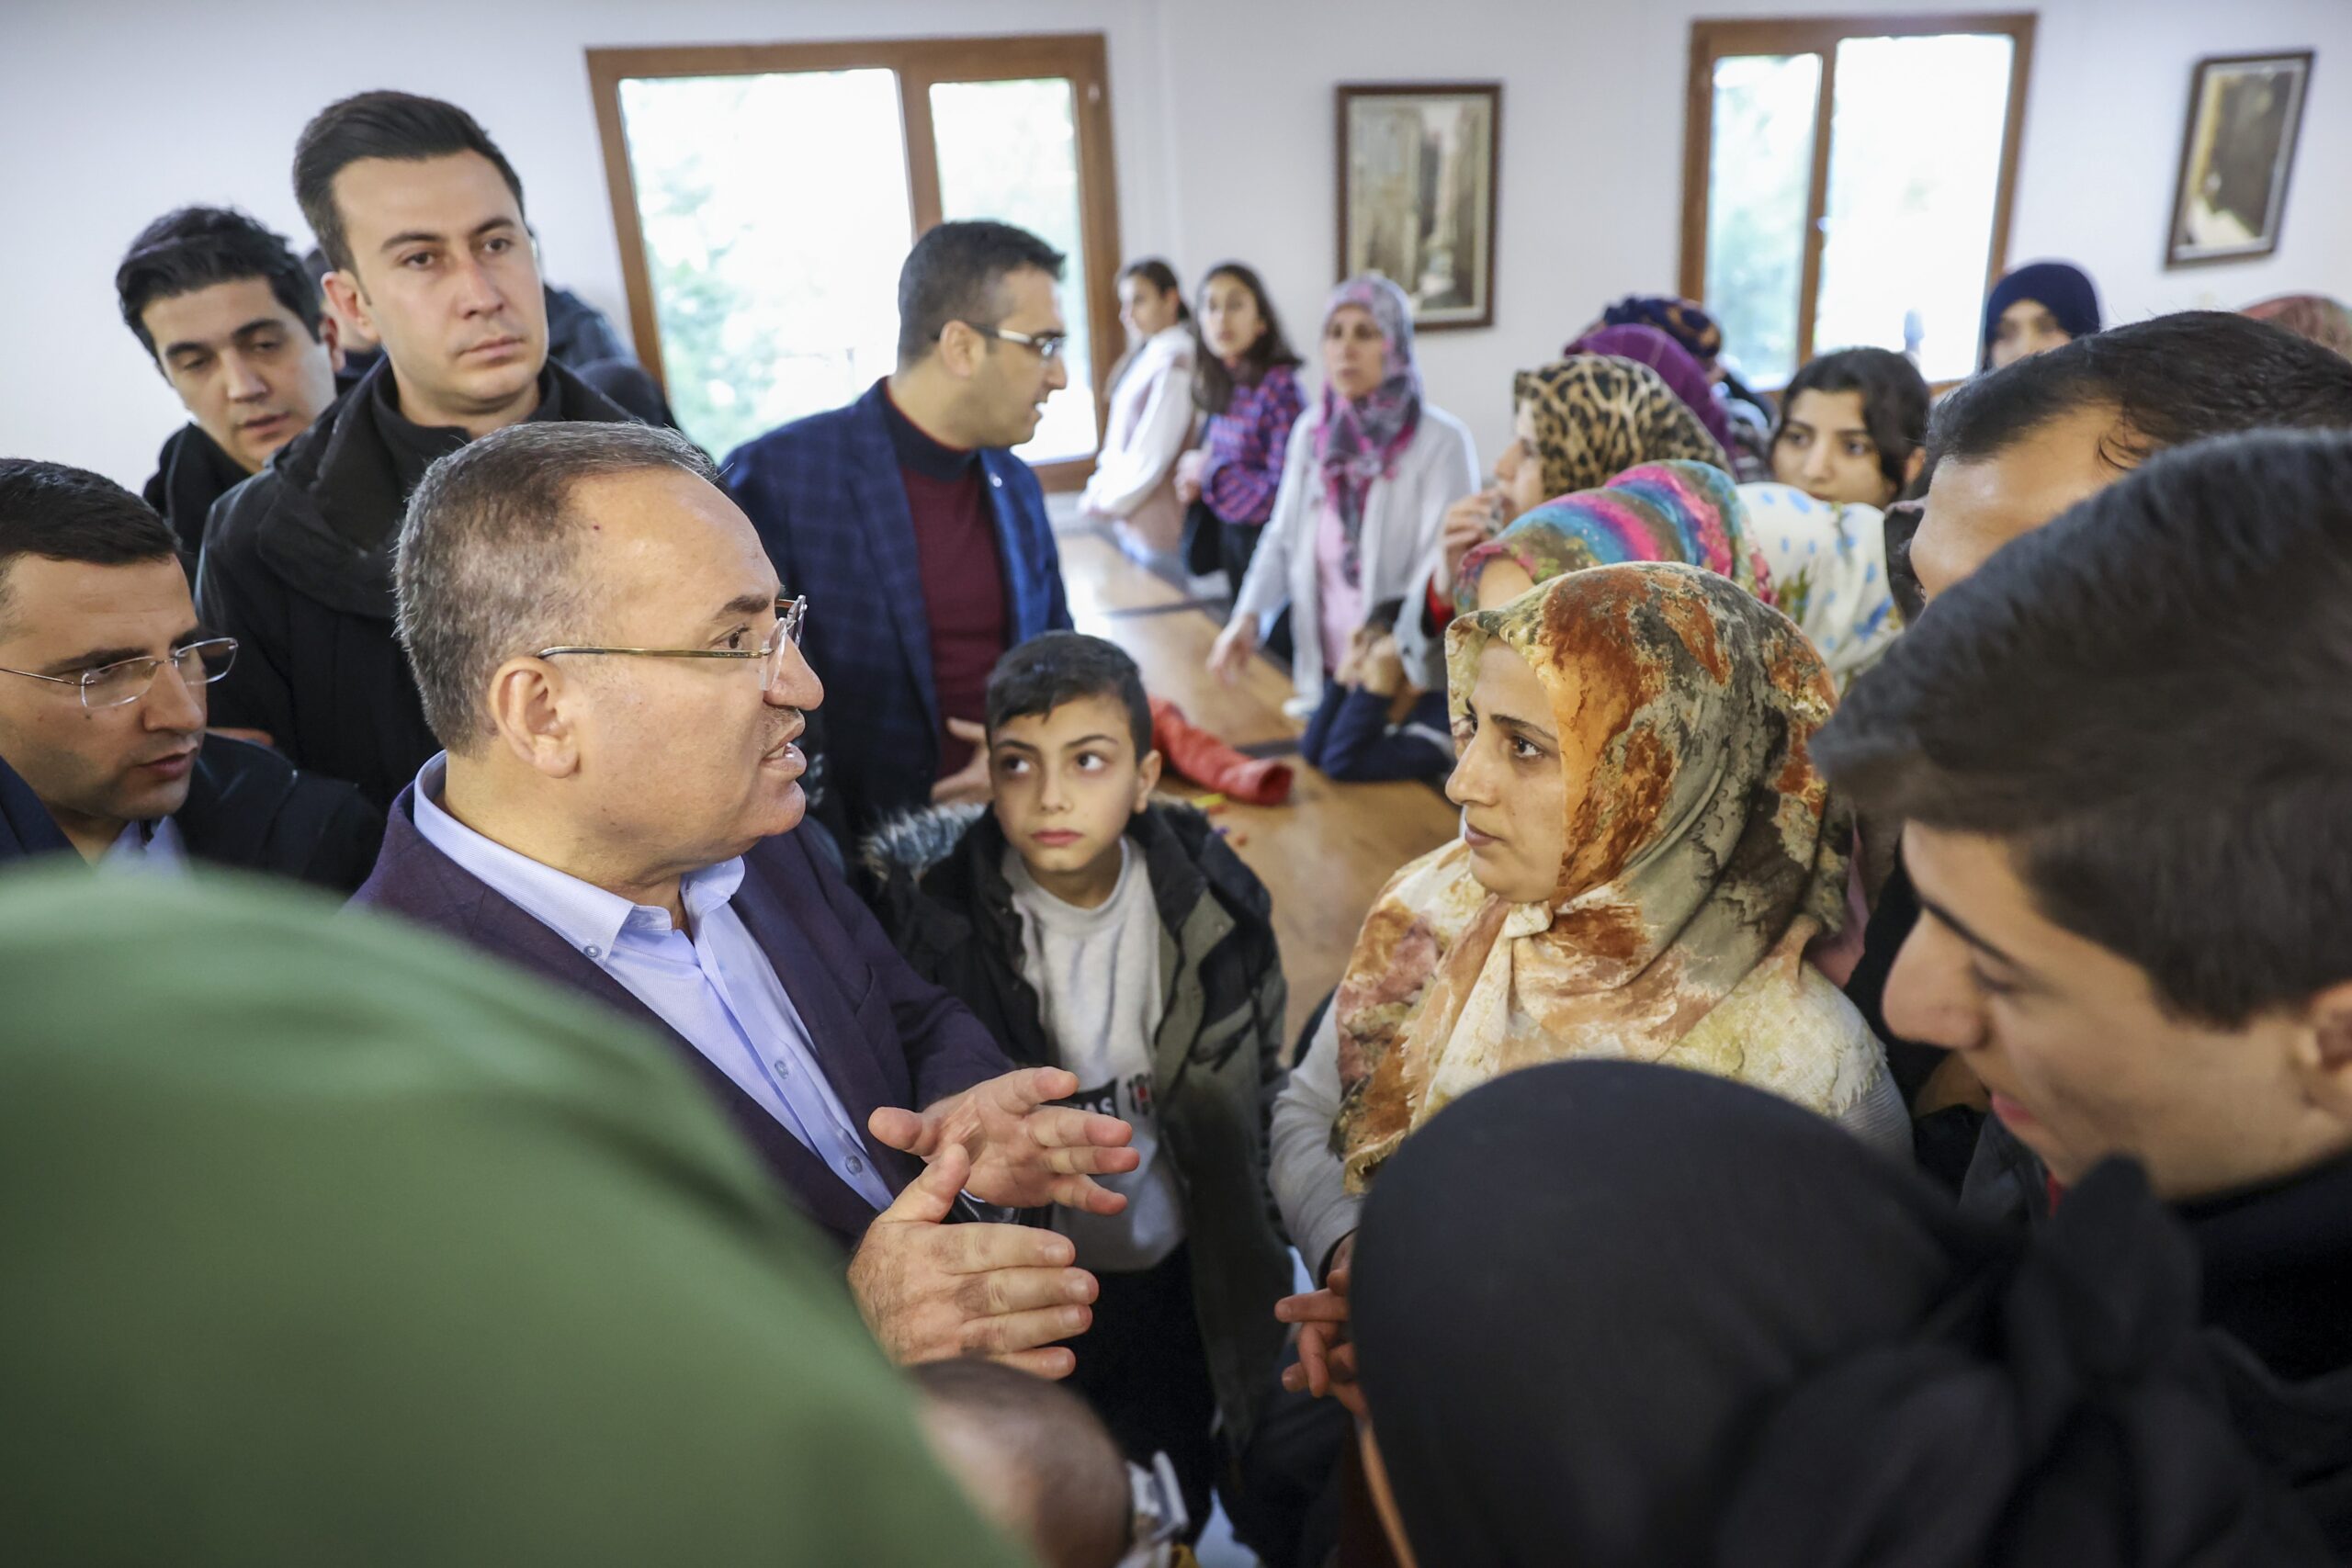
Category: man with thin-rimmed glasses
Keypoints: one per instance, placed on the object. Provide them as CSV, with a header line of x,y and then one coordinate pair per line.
x,y
920,538
103,676
610,661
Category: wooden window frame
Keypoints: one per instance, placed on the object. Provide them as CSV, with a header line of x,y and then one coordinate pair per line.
x,y
920,65
1714,40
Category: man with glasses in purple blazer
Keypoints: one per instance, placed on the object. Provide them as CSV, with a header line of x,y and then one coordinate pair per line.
x,y
920,538
605,654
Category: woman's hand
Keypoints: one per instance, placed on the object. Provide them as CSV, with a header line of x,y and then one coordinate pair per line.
x,y
1469,523
1188,475
1327,1357
1234,646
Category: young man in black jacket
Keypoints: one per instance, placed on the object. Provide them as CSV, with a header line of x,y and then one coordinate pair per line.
x,y
104,673
423,218
2122,752
1094,930
229,316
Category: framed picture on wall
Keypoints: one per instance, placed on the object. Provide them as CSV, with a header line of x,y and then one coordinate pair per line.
x,y
2245,113
1417,193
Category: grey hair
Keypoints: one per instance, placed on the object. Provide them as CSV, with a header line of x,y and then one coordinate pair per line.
x,y
486,566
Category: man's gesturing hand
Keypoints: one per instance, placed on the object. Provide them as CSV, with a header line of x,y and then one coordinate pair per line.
x,y
931,1292
1025,1151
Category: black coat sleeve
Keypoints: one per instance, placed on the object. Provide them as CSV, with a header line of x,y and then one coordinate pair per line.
x,y
237,596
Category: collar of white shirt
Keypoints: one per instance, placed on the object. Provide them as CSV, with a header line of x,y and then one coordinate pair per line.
x,y
586,916
148,846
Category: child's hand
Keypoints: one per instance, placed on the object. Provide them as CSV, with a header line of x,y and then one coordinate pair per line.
x,y
1188,475
1381,670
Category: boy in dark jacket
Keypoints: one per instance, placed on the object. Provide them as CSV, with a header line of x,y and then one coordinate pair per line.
x,y
1092,929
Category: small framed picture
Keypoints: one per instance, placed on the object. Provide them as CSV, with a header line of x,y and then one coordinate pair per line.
x,y
1416,194
2244,114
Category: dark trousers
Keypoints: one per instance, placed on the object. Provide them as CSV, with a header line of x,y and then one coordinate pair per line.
x,y
1144,1369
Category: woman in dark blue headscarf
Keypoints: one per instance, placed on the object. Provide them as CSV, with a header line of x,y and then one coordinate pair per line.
x,y
2041,306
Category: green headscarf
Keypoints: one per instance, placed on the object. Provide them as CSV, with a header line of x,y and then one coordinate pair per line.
x,y
326,1242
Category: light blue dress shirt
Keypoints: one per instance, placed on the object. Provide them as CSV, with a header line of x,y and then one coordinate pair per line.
x,y
147,846
716,988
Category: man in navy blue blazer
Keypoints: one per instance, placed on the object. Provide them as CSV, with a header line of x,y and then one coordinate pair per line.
x,y
920,541
605,654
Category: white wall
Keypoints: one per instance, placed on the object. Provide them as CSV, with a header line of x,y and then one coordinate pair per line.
x,y
113,110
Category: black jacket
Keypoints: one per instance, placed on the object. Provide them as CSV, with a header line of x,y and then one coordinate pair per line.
x,y
2277,1267
298,568
191,473
247,809
1217,1064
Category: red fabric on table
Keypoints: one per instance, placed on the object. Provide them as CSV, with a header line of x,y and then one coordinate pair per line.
x,y
1211,763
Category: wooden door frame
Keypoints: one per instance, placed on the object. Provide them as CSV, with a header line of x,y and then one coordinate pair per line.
x,y
1719,40
919,64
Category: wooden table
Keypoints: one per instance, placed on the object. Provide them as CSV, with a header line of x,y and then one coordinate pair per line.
x,y
1326,852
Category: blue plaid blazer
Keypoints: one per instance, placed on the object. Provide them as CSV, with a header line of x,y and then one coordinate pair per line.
x,y
825,495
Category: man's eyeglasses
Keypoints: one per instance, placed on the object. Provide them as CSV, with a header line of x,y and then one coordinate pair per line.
x,y
790,615
1047,344
127,679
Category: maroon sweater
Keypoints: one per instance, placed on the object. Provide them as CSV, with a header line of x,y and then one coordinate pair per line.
x,y
963,575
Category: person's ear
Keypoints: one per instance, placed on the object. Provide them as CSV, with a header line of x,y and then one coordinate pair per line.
x,y
330,335
959,350
2323,1051
532,706
342,290
1911,467
1146,778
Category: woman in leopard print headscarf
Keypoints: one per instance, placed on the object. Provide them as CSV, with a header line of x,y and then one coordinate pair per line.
x,y
1578,423
1589,417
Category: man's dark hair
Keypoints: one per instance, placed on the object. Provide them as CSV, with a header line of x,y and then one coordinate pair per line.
x,y
2171,380
196,247
64,513
956,273
1054,668
2149,701
1078,1506
486,567
400,125
1212,382
1895,401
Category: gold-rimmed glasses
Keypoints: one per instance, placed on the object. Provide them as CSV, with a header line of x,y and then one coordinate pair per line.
x,y
790,615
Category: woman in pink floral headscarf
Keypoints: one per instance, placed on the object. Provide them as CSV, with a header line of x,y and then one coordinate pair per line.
x,y
1366,480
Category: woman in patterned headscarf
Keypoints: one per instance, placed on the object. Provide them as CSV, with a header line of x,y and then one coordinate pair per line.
x,y
1660,512
1828,565
1365,484
1647,851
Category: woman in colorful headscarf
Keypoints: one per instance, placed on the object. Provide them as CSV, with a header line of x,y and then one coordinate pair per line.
x,y
1366,485
1688,512
1647,851
2324,321
1577,425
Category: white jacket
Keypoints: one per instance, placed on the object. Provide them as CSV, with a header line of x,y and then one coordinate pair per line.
x,y
1150,424
1402,515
